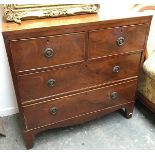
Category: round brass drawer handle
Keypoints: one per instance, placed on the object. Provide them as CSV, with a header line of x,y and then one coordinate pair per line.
x,y
120,41
51,83
114,95
53,110
116,69
48,52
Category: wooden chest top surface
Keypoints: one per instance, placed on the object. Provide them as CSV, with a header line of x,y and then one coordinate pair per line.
x,y
69,21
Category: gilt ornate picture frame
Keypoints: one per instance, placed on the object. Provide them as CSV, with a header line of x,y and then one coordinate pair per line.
x,y
16,12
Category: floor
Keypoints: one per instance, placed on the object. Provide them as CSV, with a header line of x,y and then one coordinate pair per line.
x,y
113,131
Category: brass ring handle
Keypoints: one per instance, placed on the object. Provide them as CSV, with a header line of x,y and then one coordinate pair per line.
x,y
120,41
51,83
53,110
114,95
48,52
116,69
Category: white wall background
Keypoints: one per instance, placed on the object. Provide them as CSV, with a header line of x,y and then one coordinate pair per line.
x,y
8,104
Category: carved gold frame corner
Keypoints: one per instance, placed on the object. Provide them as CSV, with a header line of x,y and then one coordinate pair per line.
x,y
16,13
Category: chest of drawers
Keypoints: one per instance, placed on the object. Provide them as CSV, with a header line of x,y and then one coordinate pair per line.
x,y
70,70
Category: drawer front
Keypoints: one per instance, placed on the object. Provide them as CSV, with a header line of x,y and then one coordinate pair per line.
x,y
79,104
50,83
49,51
116,40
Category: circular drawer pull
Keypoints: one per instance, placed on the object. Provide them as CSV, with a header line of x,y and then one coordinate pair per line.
x,y
114,95
53,110
120,41
116,69
48,52
51,83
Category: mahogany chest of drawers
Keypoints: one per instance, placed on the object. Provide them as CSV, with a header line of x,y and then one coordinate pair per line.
x,y
71,70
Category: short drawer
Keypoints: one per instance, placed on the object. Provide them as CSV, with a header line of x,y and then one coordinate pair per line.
x,y
48,51
58,82
116,40
73,106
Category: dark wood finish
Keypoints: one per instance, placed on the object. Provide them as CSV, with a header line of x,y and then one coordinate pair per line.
x,y
104,42
87,66
79,104
31,49
29,135
29,139
77,77
142,99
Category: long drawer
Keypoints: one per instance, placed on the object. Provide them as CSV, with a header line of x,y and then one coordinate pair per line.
x,y
79,104
51,83
48,51
116,40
